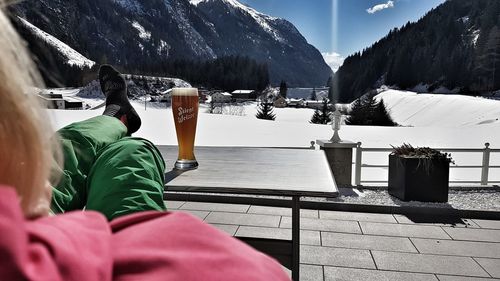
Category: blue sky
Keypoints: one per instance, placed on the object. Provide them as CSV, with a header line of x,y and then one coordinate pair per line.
x,y
339,28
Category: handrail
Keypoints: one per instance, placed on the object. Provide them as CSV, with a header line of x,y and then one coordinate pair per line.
x,y
381,149
485,166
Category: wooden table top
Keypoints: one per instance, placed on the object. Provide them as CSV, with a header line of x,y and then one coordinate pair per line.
x,y
262,171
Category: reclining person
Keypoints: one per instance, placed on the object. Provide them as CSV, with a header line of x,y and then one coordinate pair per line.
x,y
124,234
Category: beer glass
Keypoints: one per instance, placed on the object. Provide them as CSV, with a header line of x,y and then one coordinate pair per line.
x,y
185,110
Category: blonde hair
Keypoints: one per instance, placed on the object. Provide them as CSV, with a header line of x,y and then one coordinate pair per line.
x,y
26,143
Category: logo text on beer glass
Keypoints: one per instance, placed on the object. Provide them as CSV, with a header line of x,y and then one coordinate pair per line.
x,y
185,114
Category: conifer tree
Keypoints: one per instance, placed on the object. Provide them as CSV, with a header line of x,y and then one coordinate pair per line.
x,y
316,118
325,112
283,89
357,114
265,110
313,94
381,116
331,94
366,111
322,116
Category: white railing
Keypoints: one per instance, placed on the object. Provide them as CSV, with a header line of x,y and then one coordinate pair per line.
x,y
485,167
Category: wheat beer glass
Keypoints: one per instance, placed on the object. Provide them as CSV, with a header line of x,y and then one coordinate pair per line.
x,y
185,110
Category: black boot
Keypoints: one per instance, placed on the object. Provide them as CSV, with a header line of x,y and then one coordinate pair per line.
x,y
114,88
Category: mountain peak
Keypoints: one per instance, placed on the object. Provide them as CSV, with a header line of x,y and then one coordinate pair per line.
x,y
234,4
265,21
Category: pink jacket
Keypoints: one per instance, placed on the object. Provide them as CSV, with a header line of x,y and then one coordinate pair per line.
x,y
144,246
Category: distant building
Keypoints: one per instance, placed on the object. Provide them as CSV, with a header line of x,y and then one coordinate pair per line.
x,y
203,95
52,103
57,101
305,93
166,96
314,104
244,95
221,97
72,103
280,102
49,95
296,102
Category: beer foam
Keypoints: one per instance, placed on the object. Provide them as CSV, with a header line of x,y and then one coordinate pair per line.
x,y
185,92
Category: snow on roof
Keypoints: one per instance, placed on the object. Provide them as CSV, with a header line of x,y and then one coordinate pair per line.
x,y
295,100
166,92
243,91
223,94
73,57
71,99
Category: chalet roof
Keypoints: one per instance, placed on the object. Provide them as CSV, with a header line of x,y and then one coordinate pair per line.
x,y
223,94
243,91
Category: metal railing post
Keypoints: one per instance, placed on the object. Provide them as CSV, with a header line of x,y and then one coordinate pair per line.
x,y
357,171
486,164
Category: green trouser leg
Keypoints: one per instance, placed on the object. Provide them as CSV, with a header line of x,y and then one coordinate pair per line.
x,y
83,144
127,177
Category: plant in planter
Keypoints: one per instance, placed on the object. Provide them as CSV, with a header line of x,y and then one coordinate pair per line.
x,y
419,174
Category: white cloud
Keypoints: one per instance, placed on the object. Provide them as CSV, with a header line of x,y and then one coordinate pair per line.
x,y
380,7
333,60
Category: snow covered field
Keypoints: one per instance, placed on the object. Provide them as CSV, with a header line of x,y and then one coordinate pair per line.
x,y
430,110
443,121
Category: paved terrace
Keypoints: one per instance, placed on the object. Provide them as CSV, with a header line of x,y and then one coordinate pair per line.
x,y
367,246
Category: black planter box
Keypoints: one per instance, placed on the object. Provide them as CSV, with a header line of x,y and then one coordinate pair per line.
x,y
414,179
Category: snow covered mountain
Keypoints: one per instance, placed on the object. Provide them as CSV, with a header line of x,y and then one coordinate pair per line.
x,y
456,45
136,34
72,56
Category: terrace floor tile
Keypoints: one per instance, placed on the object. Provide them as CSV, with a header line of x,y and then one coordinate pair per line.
x,y
485,235
243,219
487,223
336,256
201,206
451,265
304,213
171,205
368,242
490,265
462,278
200,214
323,225
342,273
403,230
308,272
457,248
227,228
353,216
426,220
308,237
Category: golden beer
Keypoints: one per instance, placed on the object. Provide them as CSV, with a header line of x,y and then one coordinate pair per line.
x,y
185,111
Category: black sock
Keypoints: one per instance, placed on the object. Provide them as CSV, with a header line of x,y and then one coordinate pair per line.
x,y
114,87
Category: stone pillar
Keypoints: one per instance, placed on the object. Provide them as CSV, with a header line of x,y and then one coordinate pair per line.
x,y
339,155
